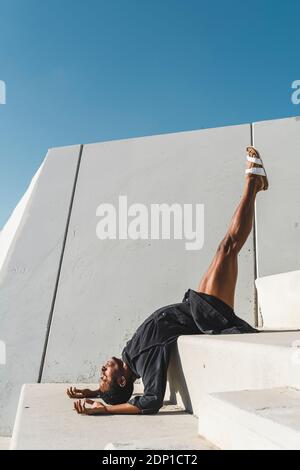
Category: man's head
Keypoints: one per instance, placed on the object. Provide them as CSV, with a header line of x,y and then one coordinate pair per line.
x,y
116,382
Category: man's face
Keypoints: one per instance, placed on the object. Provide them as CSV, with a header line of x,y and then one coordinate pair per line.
x,y
112,369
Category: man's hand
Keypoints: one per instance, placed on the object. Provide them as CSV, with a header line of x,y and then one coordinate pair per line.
x,y
74,392
96,407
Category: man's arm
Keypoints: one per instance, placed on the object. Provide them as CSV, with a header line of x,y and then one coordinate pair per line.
x,y
98,408
124,408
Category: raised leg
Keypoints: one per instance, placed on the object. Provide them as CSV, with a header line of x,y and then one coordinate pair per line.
x,y
221,276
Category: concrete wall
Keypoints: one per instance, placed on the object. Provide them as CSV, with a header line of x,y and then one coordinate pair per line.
x,y
10,229
28,277
278,210
105,288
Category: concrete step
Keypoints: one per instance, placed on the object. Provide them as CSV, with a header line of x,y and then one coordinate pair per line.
x,y
279,300
189,442
46,420
252,419
205,364
4,442
201,365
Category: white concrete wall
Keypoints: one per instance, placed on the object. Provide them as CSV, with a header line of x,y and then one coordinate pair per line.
x,y
28,277
10,229
108,287
278,210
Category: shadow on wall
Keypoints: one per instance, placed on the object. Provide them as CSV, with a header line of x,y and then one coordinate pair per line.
x,y
178,390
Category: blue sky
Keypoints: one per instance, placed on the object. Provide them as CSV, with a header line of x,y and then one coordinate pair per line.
x,y
95,70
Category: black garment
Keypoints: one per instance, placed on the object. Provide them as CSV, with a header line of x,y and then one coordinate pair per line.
x,y
148,351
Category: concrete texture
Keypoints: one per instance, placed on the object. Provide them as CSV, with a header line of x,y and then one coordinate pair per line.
x,y
277,210
46,420
206,364
252,419
10,230
279,300
28,277
5,443
108,287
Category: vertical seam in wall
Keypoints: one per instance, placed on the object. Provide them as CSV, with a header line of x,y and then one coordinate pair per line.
x,y
256,317
49,323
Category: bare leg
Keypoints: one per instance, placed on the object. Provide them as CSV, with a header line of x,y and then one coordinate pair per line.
x,y
221,276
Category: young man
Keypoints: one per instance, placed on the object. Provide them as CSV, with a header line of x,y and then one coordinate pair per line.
x,y
209,310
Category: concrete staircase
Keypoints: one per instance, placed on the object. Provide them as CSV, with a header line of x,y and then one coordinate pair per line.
x,y
46,420
244,389
252,419
228,392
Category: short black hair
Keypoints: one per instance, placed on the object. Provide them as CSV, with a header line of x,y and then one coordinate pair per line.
x,y
116,394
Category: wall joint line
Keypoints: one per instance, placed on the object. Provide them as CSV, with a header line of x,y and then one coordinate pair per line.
x,y
257,321
49,323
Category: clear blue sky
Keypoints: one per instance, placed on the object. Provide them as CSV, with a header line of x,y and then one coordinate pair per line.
x,y
83,71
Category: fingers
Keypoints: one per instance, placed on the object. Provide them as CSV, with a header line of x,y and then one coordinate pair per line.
x,y
97,408
79,407
74,392
71,392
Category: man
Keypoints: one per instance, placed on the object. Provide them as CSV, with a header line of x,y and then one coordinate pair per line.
x,y
209,310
